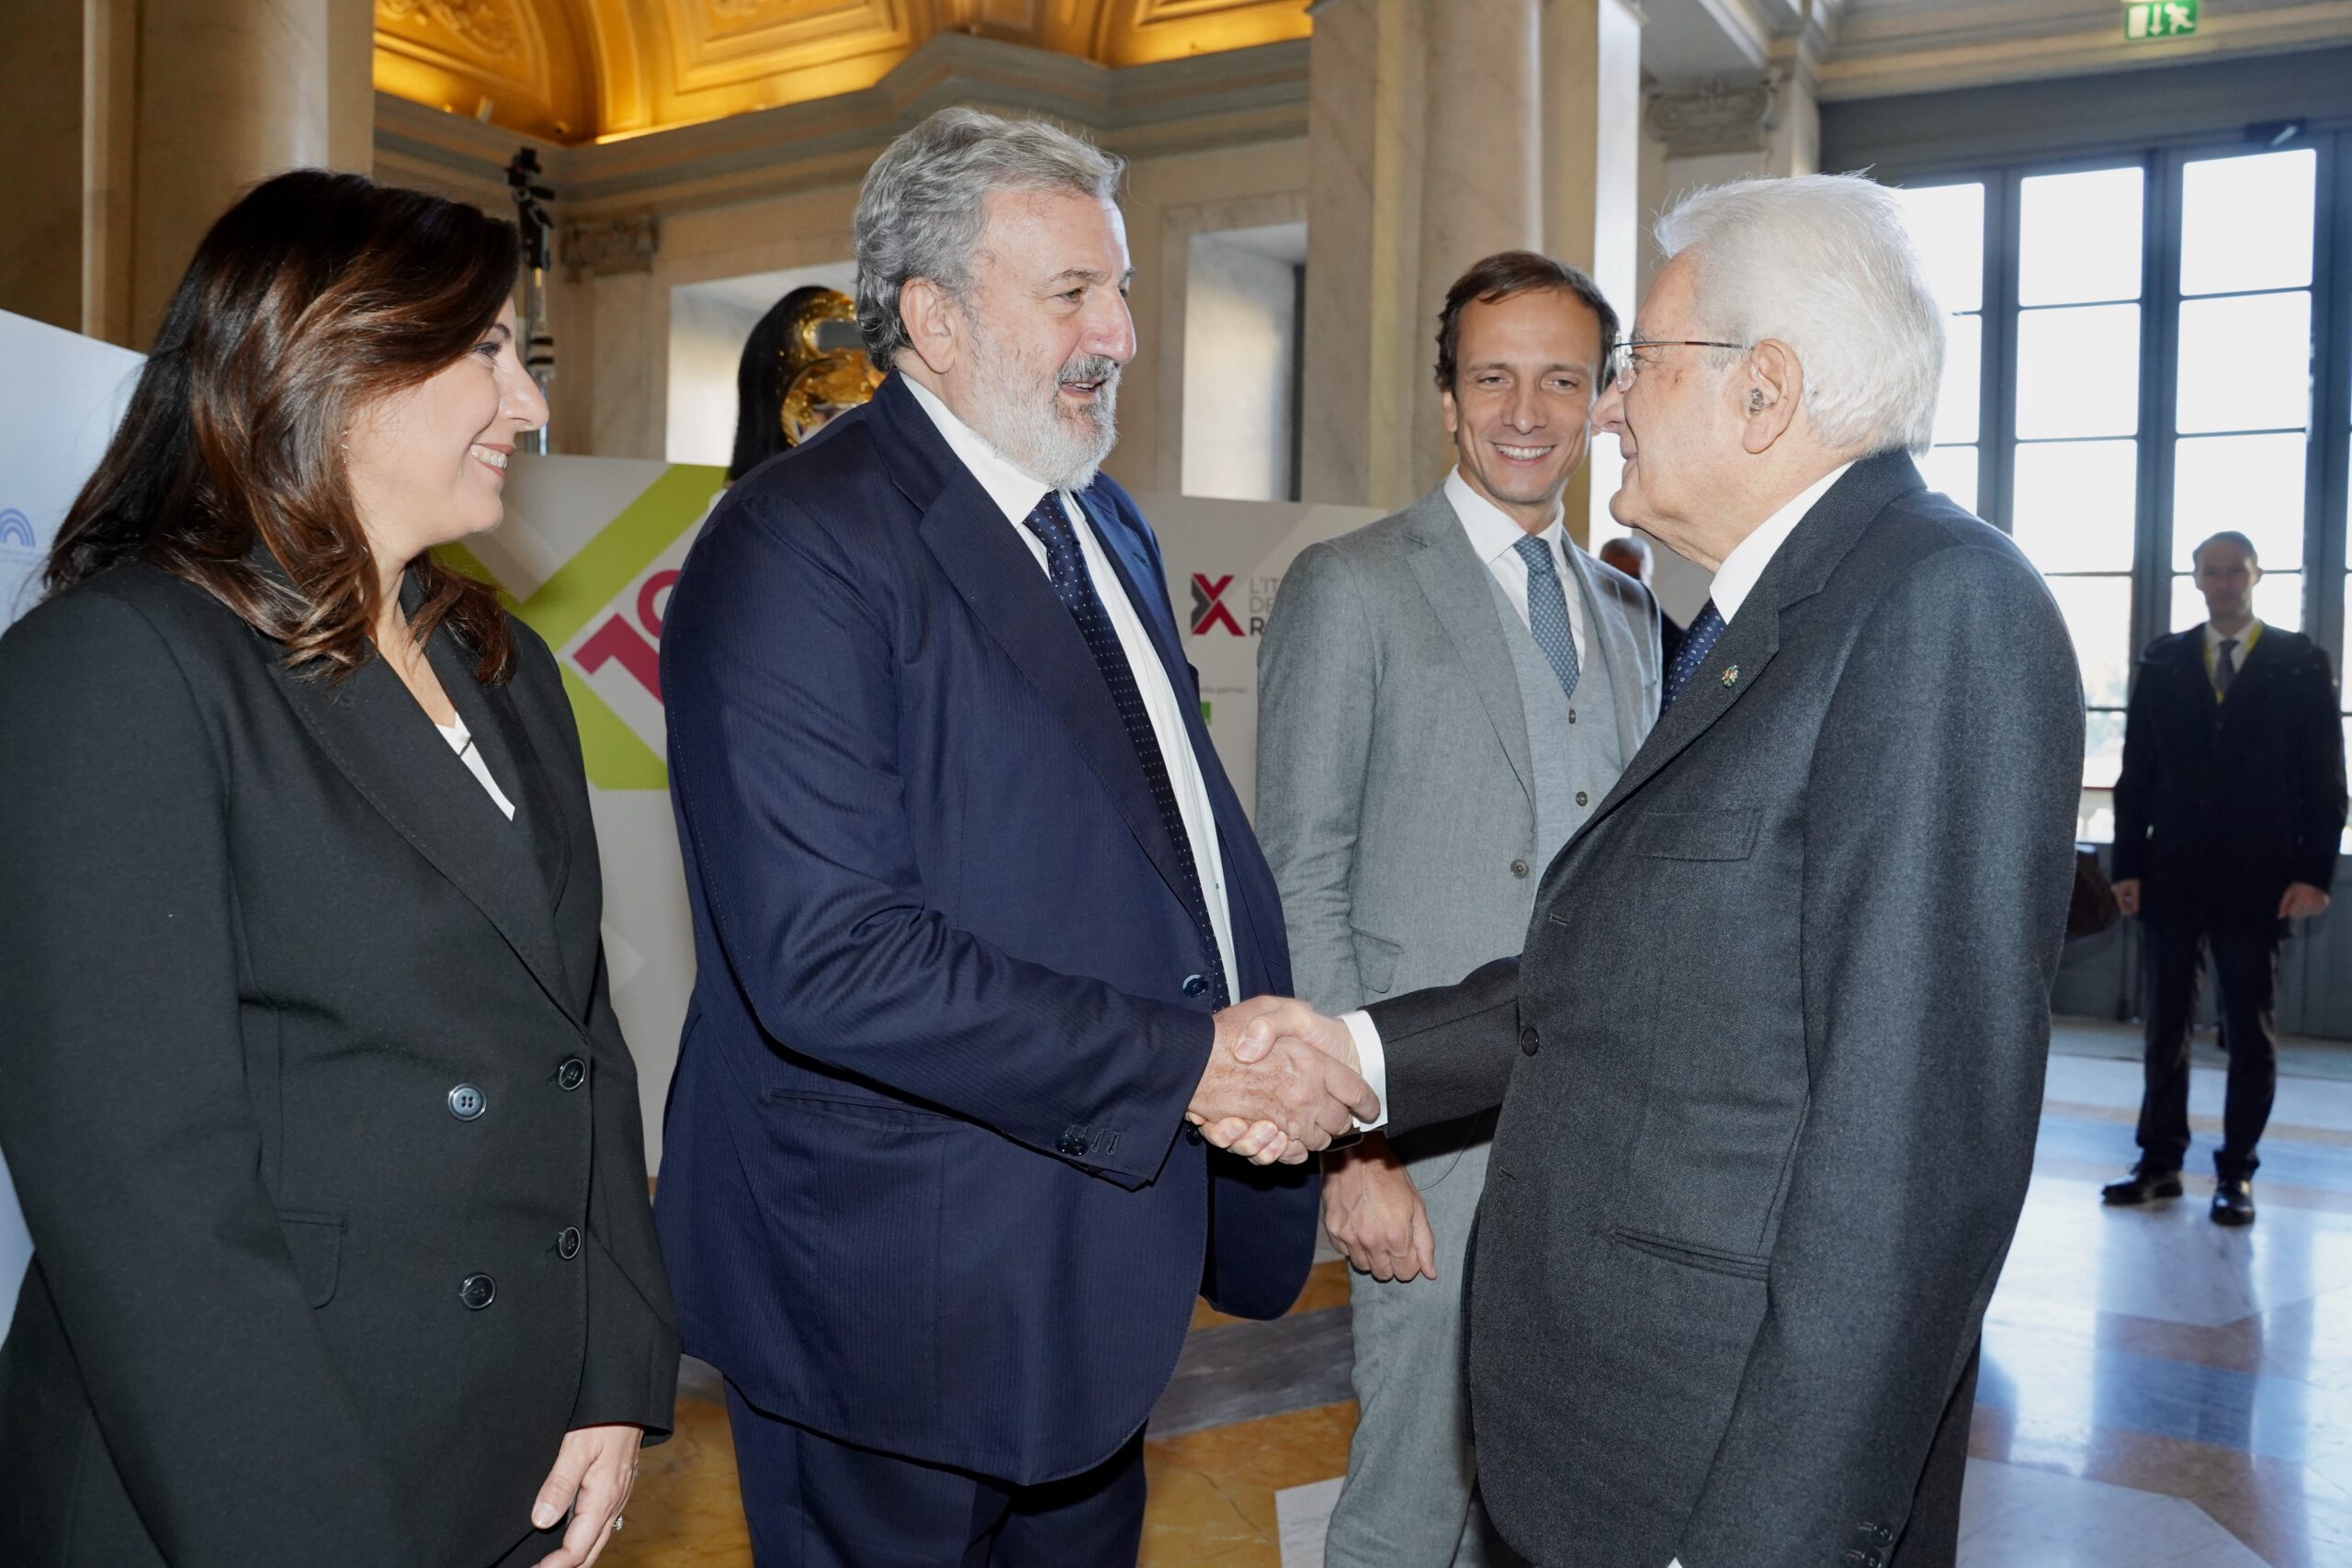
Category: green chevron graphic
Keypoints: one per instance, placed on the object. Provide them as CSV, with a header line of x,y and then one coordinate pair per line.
x,y
588,583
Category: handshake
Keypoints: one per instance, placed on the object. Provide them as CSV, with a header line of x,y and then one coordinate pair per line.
x,y
1283,1081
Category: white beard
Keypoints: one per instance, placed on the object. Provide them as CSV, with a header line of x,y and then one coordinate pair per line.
x,y
1026,421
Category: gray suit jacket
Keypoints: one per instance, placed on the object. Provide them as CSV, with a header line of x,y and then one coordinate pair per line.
x,y
1774,1051
1395,799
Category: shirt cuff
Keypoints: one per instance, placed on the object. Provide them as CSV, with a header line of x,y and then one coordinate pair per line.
x,y
1372,1064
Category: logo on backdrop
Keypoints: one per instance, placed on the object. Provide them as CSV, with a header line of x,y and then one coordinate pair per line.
x,y
1213,613
16,530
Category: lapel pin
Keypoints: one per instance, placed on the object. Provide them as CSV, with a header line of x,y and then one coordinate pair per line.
x,y
1731,675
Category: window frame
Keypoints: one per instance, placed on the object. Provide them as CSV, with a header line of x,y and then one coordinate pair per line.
x,y
2327,503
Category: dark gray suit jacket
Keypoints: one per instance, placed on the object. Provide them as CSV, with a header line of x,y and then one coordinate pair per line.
x,y
1775,1052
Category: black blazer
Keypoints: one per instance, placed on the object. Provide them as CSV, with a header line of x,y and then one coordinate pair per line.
x,y
2221,805
1775,1052
323,1124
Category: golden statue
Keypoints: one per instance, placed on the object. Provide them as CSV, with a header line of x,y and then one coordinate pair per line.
x,y
803,365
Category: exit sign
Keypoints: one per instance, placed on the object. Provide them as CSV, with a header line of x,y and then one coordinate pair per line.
x,y
2159,18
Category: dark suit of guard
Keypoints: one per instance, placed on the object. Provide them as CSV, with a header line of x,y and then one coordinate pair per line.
x,y
1774,1054
2219,806
926,1186
324,1126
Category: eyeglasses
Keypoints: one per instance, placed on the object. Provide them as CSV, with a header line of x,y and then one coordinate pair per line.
x,y
1623,367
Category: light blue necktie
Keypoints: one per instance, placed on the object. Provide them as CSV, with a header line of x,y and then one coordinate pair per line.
x,y
1547,612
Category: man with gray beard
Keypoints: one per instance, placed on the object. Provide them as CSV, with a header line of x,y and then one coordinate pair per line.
x,y
976,910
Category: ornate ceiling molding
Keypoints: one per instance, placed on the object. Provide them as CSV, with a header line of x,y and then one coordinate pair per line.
x,y
575,71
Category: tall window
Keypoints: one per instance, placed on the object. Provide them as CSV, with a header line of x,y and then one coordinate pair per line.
x,y
2132,368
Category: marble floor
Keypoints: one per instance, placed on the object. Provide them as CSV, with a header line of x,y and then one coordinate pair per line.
x,y
2157,1391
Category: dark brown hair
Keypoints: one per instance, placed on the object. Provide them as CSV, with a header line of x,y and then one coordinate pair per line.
x,y
1503,275
314,295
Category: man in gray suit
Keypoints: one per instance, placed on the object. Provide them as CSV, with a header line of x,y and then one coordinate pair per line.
x,y
1444,697
1775,1037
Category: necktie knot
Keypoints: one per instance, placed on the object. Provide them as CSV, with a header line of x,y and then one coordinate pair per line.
x,y
1536,554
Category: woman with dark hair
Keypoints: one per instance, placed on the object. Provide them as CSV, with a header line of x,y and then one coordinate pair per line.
x,y
310,1082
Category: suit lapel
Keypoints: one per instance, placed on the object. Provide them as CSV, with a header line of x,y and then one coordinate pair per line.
x,y
1461,594
1250,899
383,743
1619,654
1015,602
1748,647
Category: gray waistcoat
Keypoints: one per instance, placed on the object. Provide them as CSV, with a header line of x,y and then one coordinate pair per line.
x,y
1572,743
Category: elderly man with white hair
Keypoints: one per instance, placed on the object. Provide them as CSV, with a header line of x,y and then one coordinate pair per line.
x,y
1775,1046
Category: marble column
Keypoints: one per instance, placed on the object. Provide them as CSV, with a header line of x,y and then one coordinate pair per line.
x,y
232,91
132,124
1482,172
1437,134
40,116
1592,100
1364,144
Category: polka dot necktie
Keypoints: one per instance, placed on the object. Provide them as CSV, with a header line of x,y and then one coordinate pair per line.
x,y
1547,610
1706,631
1076,590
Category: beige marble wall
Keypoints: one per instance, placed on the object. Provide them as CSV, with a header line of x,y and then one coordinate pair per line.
x,y
1439,133
41,117
1366,92
1169,200
1592,85
132,124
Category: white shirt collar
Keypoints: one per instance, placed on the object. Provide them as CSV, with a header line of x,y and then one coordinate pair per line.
x,y
2241,636
1492,532
1015,493
1736,578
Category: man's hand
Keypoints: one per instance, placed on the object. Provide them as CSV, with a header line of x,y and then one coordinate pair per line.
x,y
2127,896
594,1470
1372,1213
2302,899
1274,1091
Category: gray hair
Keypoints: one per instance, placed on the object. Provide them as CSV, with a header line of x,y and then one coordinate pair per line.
x,y
1824,264
922,205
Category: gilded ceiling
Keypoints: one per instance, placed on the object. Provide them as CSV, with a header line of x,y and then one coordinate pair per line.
x,y
578,71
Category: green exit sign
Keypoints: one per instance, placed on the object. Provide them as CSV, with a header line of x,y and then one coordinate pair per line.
x,y
2159,18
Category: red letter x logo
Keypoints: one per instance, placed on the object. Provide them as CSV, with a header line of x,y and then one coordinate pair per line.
x,y
1207,611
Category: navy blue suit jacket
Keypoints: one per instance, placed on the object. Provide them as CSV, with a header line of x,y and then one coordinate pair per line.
x,y
926,1184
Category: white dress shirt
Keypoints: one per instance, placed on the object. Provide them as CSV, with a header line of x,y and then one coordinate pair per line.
x,y
1016,494
1734,580
461,741
1495,535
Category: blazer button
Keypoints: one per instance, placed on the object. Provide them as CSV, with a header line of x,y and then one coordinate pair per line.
x,y
1528,1042
567,1245
1193,1136
1070,1143
478,1292
1518,868
1580,797
570,1074
1196,985
465,1103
